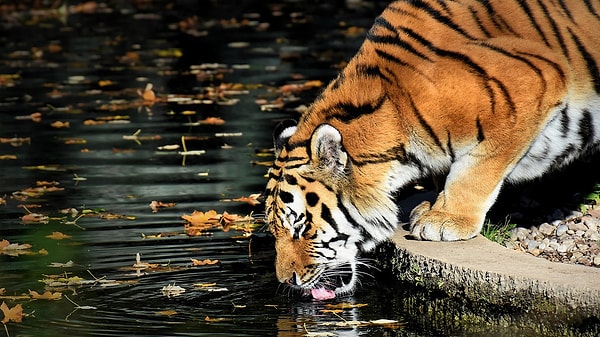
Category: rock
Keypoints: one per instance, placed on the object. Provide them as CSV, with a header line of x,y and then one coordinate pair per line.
x,y
561,229
597,261
532,244
591,222
577,226
519,234
547,229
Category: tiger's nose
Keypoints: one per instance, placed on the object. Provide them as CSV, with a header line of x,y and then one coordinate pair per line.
x,y
293,280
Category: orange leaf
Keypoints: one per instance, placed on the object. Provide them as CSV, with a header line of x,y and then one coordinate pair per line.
x,y
58,236
199,218
14,314
204,262
212,121
45,296
252,199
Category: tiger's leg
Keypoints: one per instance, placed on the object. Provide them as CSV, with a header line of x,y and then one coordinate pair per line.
x,y
459,211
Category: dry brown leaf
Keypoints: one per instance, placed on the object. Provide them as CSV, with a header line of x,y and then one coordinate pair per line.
x,y
45,296
60,124
34,218
14,314
58,236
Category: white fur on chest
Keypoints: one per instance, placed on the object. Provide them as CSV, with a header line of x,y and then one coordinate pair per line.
x,y
564,139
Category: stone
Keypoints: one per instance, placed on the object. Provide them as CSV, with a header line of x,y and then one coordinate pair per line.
x,y
561,229
547,229
532,244
577,226
591,222
597,260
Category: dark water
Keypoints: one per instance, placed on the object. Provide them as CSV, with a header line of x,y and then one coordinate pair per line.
x,y
85,65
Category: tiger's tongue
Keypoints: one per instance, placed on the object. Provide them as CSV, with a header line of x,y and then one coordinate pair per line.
x,y
322,294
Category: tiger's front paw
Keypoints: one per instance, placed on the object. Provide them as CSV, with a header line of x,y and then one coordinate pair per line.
x,y
434,225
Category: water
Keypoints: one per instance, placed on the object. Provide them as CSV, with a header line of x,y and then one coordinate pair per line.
x,y
89,68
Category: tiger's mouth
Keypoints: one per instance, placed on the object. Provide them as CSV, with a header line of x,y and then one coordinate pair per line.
x,y
332,282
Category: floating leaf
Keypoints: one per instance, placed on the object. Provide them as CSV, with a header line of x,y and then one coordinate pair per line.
x,y
204,262
166,313
58,236
155,205
172,290
14,314
45,296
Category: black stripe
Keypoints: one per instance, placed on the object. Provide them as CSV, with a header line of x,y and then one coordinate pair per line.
x,y
372,71
592,66
346,111
565,9
438,16
586,130
450,147
555,29
426,125
590,8
480,134
363,232
393,39
564,121
480,24
535,24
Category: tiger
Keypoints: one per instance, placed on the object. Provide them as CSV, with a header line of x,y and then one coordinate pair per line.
x,y
481,93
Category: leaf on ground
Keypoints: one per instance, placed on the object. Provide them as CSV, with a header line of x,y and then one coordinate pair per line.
x,y
155,205
60,124
58,236
14,314
204,262
45,296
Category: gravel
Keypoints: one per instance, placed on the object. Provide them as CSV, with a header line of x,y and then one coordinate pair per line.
x,y
574,239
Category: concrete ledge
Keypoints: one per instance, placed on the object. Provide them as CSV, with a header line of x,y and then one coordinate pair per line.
x,y
479,271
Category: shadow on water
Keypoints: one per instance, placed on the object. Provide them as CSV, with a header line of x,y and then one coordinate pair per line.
x,y
87,64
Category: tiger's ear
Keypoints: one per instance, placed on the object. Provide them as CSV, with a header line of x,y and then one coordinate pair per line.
x,y
283,132
327,151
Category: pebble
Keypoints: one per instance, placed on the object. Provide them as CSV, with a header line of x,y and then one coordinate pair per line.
x,y
573,240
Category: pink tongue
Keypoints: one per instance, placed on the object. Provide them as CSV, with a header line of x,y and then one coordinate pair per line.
x,y
322,294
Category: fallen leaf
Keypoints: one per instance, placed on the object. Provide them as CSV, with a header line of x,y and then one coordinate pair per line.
x,y
14,314
67,264
60,124
7,157
34,218
155,205
172,290
252,199
345,305
45,296
204,262
198,218
166,312
5,245
58,236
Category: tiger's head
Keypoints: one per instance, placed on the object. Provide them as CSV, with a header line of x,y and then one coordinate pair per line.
x,y
319,232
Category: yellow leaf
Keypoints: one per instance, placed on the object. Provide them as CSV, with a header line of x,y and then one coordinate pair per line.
x,y
166,312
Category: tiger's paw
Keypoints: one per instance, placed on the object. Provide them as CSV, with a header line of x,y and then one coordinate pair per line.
x,y
434,225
